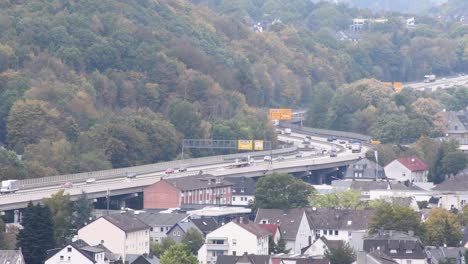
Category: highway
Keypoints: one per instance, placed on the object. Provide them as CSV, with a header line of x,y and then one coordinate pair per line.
x,y
440,83
307,160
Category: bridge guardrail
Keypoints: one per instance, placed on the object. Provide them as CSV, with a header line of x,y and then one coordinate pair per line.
x,y
143,169
326,132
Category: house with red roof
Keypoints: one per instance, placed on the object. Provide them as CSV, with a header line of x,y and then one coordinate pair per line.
x,y
411,169
274,231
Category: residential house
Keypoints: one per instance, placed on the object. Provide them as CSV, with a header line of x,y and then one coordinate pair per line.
x,y
186,191
234,238
401,247
374,257
142,259
320,246
297,259
457,126
11,257
293,223
348,225
72,254
244,259
160,223
411,169
453,192
121,233
273,230
202,225
364,169
243,190
381,189
452,255
221,214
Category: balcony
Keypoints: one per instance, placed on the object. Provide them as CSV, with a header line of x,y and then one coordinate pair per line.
x,y
217,247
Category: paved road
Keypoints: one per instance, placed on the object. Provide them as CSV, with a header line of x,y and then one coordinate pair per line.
x,y
440,83
123,185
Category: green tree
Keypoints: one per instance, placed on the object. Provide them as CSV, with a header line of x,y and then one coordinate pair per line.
x,y
3,244
349,199
454,162
185,118
465,254
10,166
60,207
37,235
396,217
158,249
193,240
178,254
281,191
343,254
277,248
82,211
443,228
317,113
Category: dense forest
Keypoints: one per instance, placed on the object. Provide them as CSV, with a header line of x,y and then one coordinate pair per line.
x,y
88,85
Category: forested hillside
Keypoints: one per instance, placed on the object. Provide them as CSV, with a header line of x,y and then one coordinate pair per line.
x,y
88,85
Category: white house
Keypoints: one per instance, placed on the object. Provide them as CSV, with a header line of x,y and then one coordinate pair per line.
x,y
347,225
73,255
273,230
11,257
234,238
121,233
320,246
410,169
293,223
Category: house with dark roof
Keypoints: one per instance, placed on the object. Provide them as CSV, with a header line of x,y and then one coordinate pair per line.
x,y
203,225
374,257
160,223
297,259
348,225
121,233
75,255
142,259
364,169
400,246
234,238
244,259
453,192
411,169
243,190
457,126
293,223
185,191
320,246
453,255
11,257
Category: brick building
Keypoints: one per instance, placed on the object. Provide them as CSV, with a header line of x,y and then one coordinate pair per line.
x,y
194,190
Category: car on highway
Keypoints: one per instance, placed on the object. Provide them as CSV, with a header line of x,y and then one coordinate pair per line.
x,y
182,169
348,145
331,138
299,155
67,185
342,141
90,180
324,151
308,137
279,158
267,158
130,175
169,171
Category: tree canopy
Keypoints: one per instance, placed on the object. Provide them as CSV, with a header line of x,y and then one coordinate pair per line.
x,y
281,191
396,217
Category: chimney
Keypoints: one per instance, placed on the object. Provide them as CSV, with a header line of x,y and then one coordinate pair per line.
x,y
411,232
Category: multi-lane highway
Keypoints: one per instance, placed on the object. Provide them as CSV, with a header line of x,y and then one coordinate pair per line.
x,y
304,160
440,83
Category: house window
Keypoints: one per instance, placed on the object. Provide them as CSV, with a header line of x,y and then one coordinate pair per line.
x,y
233,199
162,229
393,251
234,242
336,232
330,232
409,251
69,249
233,253
408,261
69,258
61,257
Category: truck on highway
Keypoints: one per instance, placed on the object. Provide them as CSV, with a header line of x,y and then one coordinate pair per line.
x,y
10,186
333,152
243,162
429,78
356,147
287,131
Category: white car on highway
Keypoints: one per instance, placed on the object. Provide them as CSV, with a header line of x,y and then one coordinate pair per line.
x,y
90,180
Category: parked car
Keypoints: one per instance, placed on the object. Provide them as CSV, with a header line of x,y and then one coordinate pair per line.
x,y
90,180
67,185
169,171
